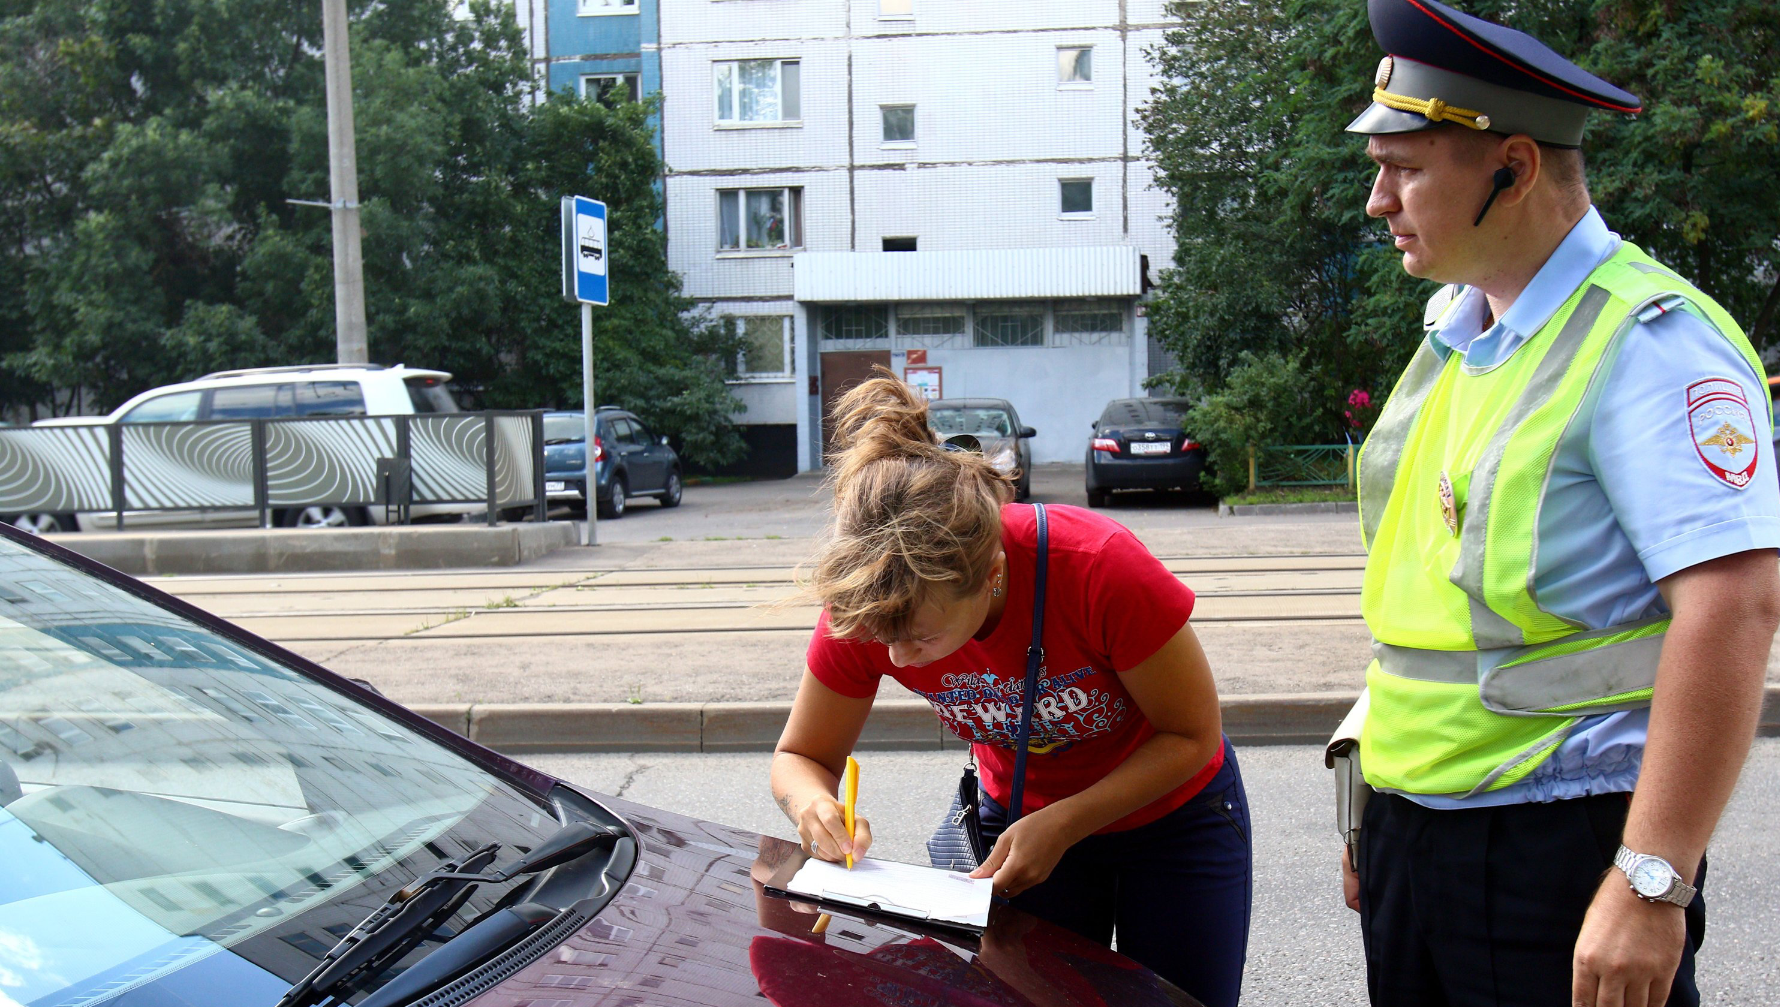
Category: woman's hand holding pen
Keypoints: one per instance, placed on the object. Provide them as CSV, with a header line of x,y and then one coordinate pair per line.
x,y
1028,851
822,828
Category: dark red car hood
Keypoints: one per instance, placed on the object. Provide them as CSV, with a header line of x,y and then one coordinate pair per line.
x,y
694,926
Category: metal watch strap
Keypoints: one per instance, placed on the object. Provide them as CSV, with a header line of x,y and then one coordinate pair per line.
x,y
1680,893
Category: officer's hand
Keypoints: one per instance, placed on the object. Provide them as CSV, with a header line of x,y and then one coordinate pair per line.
x,y
822,827
1628,951
1350,880
1025,854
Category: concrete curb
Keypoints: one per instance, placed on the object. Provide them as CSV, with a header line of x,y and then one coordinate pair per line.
x,y
897,724
289,550
1265,510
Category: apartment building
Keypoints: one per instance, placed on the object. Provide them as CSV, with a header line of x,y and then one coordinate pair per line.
x,y
953,188
596,45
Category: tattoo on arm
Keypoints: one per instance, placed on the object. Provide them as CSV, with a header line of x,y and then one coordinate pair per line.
x,y
785,806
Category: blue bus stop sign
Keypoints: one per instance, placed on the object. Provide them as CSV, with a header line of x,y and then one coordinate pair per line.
x,y
585,258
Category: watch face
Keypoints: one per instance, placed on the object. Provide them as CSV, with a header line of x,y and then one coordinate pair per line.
x,y
1651,878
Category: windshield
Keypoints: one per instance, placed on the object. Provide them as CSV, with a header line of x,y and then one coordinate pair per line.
x,y
1132,412
429,395
990,420
562,428
181,815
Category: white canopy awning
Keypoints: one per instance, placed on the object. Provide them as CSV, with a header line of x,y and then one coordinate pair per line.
x,y
982,275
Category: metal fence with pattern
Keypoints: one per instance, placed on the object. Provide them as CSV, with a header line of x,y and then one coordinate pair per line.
x,y
495,459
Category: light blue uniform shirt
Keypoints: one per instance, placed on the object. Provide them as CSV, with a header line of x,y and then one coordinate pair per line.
x,y
1631,499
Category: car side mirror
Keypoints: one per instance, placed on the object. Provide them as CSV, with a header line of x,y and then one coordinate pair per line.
x,y
1028,432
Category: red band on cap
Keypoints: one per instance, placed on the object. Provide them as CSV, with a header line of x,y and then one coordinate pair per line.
x,y
1521,67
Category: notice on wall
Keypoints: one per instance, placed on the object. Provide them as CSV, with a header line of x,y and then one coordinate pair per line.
x,y
926,380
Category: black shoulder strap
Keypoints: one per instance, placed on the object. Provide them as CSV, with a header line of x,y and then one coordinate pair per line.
x,y
1035,658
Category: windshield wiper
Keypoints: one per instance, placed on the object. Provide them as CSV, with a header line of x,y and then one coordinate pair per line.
x,y
417,908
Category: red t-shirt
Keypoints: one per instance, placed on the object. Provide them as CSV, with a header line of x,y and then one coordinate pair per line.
x,y
1109,607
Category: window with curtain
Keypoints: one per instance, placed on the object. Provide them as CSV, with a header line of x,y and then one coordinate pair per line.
x,y
758,90
759,219
1075,64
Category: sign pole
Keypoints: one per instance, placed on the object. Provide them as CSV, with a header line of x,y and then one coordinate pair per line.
x,y
589,408
585,275
349,260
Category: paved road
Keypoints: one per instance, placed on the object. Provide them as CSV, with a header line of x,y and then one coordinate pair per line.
x,y
1304,944
715,618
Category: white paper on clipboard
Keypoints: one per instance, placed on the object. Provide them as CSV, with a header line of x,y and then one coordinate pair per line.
x,y
922,893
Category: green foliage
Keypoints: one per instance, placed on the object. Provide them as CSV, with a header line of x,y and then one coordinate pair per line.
x,y
1266,399
1275,253
147,152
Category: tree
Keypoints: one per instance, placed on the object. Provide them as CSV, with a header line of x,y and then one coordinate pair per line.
x,y
1275,254
149,151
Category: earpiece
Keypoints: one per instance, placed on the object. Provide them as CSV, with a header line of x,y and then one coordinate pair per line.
x,y
1503,179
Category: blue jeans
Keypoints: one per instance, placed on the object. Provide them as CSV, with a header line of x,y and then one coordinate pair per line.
x,y
1176,891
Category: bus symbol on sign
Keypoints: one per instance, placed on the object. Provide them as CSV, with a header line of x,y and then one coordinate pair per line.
x,y
584,251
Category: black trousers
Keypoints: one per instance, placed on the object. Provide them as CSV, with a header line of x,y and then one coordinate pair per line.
x,y
1177,891
1482,906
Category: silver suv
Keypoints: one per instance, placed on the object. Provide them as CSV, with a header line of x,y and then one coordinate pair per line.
x,y
266,393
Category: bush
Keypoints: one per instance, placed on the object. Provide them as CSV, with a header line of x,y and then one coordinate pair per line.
x,y
1266,401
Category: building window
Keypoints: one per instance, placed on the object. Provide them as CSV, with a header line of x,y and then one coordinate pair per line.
x,y
590,8
893,10
605,87
900,244
759,219
766,345
899,124
863,326
758,90
932,326
1088,323
1075,65
1010,325
1076,197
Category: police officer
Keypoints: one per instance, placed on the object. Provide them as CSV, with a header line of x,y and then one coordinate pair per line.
x,y
1571,512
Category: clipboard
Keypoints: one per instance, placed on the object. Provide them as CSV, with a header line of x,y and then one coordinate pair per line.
x,y
779,886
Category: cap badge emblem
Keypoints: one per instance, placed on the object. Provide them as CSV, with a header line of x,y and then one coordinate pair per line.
x,y
1385,66
1449,508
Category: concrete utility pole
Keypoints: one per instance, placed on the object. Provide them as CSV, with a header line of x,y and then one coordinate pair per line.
x,y
349,259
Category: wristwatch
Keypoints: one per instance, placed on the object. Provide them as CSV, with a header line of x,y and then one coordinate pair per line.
x,y
1652,879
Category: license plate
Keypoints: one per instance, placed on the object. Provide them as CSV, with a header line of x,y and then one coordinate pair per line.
x,y
1158,448
555,487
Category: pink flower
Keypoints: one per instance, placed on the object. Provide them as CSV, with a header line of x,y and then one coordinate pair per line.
x,y
1359,398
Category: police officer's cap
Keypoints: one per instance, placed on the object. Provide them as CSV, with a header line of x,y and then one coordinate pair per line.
x,y
1445,66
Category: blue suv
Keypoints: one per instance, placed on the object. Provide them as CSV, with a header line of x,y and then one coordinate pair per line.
x,y
629,461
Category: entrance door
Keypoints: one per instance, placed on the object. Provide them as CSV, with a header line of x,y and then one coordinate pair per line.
x,y
840,372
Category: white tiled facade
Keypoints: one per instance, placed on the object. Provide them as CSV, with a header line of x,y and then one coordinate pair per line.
x,y
995,130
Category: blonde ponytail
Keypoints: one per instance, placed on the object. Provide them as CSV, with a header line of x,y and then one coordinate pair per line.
x,y
914,522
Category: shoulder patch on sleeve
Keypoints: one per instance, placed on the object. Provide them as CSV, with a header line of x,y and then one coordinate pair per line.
x,y
1723,430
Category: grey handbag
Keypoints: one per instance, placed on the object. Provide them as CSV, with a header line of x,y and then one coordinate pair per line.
x,y
957,845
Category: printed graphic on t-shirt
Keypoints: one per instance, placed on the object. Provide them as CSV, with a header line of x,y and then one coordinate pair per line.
x,y
1723,430
984,708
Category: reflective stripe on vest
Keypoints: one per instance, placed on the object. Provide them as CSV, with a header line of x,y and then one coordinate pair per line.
x,y
1475,682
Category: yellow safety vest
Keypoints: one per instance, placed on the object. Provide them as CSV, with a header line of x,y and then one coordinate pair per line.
x,y
1474,682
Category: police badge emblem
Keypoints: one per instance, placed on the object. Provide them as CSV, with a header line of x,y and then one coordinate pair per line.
x,y
1723,430
1449,505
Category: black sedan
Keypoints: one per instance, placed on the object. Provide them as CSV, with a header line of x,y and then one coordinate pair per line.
x,y
1142,444
190,815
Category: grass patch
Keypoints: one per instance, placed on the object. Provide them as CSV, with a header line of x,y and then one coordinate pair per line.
x,y
1293,494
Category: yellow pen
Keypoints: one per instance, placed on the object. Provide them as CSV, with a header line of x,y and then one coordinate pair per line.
x,y
850,790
